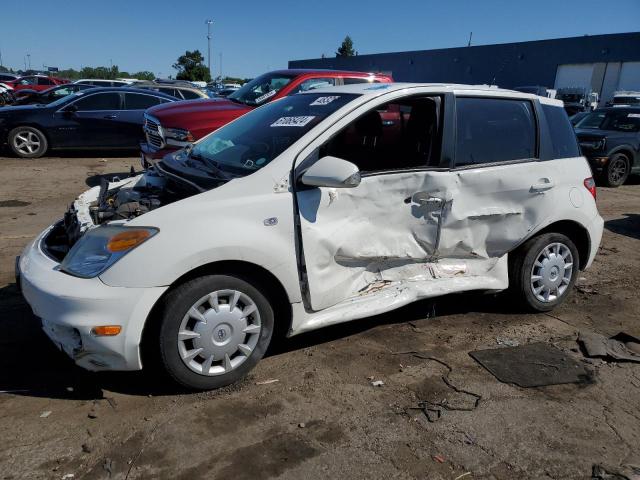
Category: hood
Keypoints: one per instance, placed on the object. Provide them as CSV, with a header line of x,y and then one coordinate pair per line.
x,y
198,116
20,108
189,107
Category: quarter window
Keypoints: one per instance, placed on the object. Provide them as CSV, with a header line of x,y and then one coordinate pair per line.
x,y
494,130
99,101
137,101
563,137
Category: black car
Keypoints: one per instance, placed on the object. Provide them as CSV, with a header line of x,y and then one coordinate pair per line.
x,y
610,139
103,118
32,97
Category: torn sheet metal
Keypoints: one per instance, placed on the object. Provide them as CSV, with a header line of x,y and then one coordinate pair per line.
x,y
415,228
622,347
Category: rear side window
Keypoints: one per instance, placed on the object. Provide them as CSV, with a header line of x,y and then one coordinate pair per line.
x,y
563,137
138,101
189,95
99,101
494,130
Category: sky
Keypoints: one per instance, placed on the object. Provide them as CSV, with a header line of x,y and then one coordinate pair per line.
x,y
252,37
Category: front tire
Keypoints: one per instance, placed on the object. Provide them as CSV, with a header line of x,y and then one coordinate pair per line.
x,y
213,331
28,142
544,271
617,170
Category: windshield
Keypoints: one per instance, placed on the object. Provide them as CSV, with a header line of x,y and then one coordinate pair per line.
x,y
255,139
260,90
621,121
570,97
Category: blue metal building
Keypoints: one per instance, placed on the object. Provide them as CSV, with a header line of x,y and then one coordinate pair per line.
x,y
602,63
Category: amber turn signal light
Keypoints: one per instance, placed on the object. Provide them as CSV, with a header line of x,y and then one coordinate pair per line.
x,y
106,330
127,240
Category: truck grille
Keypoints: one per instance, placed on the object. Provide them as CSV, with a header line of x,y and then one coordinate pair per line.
x,y
153,132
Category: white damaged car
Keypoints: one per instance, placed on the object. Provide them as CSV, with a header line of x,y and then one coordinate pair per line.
x,y
323,207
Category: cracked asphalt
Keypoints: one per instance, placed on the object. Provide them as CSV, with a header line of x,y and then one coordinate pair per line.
x,y
323,418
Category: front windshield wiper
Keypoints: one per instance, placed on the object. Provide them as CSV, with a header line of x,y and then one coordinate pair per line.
x,y
210,164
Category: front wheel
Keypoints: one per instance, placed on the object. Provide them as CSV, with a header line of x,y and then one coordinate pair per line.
x,y
28,142
544,270
214,330
617,170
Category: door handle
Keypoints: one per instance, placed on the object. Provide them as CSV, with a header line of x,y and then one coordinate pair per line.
x,y
425,200
111,116
543,185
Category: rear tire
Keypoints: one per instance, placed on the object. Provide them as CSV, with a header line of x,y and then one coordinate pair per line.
x,y
617,170
213,331
543,271
28,142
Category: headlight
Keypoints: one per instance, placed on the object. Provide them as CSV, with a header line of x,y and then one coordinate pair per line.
x,y
177,136
101,247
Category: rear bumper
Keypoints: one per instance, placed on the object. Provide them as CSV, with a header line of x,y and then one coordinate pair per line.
x,y
595,229
70,307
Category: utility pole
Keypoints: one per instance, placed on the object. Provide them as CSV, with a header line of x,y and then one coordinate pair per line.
x,y
470,36
209,22
29,57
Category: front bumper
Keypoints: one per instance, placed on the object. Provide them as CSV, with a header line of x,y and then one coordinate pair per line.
x,y
148,153
598,162
70,307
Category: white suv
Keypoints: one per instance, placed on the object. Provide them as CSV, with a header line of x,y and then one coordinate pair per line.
x,y
319,208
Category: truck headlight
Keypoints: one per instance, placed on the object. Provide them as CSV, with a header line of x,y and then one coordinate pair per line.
x,y
101,247
177,136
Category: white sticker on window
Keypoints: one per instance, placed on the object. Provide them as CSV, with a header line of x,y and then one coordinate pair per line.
x,y
633,115
324,100
292,121
269,94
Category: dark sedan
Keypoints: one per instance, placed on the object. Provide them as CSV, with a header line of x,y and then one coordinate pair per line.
x,y
33,97
100,118
610,139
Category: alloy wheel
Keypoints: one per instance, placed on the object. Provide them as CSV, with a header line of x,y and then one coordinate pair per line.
x,y
26,142
617,170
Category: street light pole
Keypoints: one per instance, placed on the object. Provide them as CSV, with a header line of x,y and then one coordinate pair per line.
x,y
209,22
29,57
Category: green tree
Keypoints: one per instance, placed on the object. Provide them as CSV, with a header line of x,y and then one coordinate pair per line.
x,y
142,75
346,48
191,67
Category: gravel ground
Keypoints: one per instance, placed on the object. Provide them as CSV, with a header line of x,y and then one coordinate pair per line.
x,y
323,418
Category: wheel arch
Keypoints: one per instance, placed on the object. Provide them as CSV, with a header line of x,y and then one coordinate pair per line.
x,y
576,232
271,285
626,150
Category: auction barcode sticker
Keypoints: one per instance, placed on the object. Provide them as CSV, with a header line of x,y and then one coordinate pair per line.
x,y
292,121
633,115
265,96
324,100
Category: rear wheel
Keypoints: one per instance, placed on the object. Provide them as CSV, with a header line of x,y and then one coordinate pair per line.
x,y
617,170
544,271
214,330
28,142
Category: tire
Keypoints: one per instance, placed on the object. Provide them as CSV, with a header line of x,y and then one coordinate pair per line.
x,y
617,170
524,278
28,142
231,341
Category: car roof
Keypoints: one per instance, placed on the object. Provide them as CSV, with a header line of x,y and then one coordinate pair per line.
x,y
307,71
376,89
129,89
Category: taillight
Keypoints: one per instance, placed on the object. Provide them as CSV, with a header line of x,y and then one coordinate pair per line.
x,y
590,184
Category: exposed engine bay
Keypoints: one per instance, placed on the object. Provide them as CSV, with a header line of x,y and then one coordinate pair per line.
x,y
124,199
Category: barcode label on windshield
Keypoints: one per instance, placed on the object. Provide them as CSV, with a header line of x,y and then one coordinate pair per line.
x,y
633,115
292,121
324,100
262,98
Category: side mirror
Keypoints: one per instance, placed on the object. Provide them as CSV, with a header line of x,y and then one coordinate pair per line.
x,y
73,108
331,172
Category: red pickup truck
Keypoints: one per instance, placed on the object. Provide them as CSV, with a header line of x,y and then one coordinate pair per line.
x,y
173,126
35,82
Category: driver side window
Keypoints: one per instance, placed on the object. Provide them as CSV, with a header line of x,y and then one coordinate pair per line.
x,y
404,134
